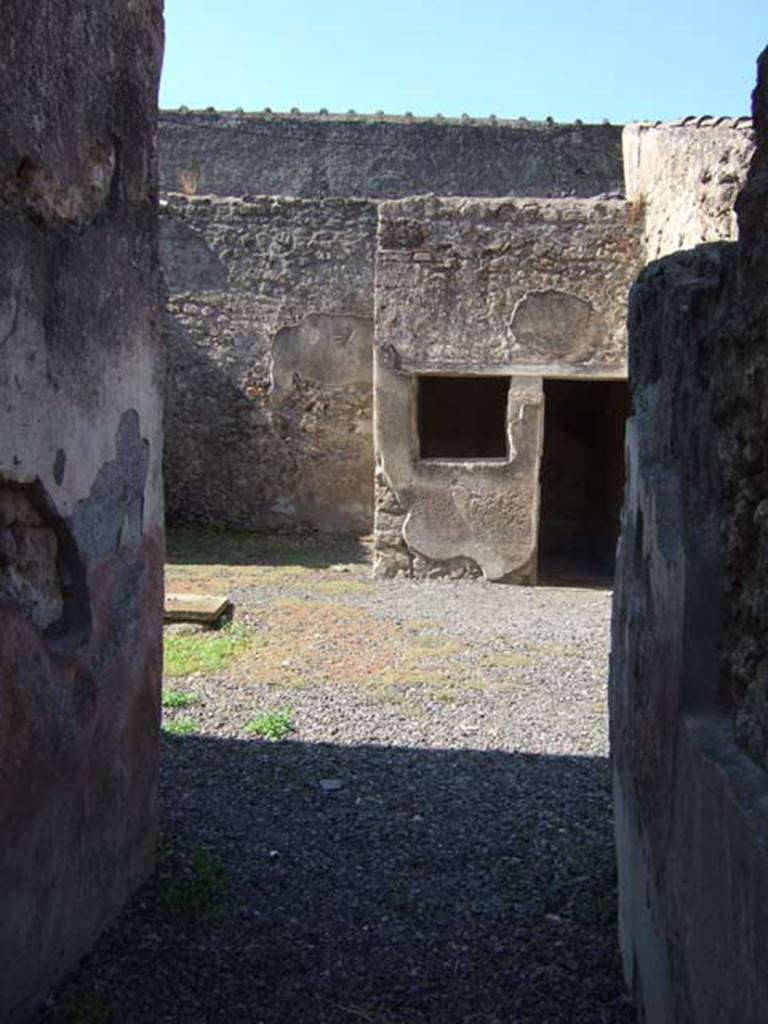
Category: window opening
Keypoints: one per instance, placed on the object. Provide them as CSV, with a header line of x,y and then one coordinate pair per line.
x,y
462,417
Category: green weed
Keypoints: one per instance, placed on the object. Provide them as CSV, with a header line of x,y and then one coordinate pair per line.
x,y
181,727
89,1008
207,652
271,725
176,699
193,883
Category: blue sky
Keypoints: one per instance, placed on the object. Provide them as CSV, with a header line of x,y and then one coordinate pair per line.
x,y
591,59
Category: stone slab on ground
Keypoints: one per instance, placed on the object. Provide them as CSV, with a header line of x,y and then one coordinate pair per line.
x,y
207,608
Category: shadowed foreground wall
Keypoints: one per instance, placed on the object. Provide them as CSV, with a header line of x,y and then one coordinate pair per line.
x,y
689,713
81,544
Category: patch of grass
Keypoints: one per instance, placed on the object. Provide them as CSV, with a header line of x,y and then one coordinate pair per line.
x,y
192,545
336,588
408,676
443,696
88,1008
296,604
177,699
274,575
553,650
511,660
391,695
225,578
422,625
441,683
192,882
288,679
394,697
180,727
436,645
271,725
208,651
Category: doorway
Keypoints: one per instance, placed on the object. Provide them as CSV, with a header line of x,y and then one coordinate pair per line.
x,y
582,477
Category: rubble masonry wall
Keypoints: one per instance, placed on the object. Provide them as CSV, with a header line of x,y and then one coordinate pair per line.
x,y
522,288
689,712
269,347
315,156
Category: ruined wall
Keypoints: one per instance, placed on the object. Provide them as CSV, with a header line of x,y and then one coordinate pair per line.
x,y
744,458
683,178
269,348
315,156
81,535
523,288
690,645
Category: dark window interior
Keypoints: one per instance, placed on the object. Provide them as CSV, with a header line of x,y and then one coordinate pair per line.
x,y
582,475
462,417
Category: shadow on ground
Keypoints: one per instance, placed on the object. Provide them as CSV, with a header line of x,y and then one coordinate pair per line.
x,y
578,572
189,545
323,884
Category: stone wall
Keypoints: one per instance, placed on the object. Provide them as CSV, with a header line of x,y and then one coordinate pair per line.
x,y
745,459
520,288
316,156
683,178
690,644
269,384
269,348
81,514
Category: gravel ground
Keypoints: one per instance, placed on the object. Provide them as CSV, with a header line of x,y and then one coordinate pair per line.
x,y
431,845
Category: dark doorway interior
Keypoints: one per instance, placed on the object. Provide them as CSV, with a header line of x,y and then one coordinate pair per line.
x,y
462,417
582,476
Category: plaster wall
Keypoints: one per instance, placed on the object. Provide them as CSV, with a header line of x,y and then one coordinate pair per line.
x,y
320,155
687,700
81,510
683,178
269,348
521,288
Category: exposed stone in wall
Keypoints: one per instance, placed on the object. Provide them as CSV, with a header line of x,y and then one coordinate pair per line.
x,y
269,342
43,574
315,156
394,557
689,640
520,285
521,288
81,515
683,178
270,314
